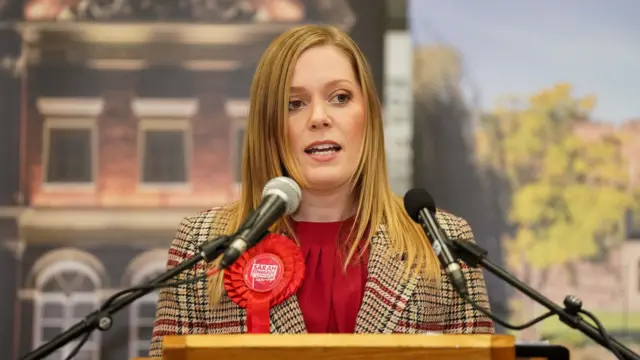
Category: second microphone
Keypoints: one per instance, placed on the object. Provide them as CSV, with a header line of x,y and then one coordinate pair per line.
x,y
421,207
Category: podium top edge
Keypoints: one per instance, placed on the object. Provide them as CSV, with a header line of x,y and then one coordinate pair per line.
x,y
338,341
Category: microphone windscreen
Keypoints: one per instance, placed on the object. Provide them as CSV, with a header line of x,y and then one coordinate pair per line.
x,y
287,189
417,199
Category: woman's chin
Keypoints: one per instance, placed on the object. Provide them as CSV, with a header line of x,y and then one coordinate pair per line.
x,y
325,180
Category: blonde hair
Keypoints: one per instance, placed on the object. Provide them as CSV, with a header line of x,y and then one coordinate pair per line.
x,y
266,153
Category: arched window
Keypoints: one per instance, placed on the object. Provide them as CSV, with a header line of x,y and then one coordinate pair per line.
x,y
142,312
66,291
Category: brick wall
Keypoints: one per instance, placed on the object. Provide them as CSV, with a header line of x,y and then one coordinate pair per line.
x,y
118,114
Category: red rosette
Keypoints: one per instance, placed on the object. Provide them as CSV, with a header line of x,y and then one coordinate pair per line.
x,y
263,277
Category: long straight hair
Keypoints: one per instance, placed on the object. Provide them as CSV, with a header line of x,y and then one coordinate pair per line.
x,y
266,154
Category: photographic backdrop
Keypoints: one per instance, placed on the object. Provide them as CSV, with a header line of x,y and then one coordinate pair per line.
x,y
526,123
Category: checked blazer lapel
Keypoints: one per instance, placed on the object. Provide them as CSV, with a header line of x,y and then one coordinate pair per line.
x,y
286,317
386,292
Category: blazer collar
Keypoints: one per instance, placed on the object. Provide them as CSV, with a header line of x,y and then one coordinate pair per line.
x,y
385,297
386,291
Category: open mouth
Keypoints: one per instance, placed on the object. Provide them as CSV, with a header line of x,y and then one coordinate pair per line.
x,y
322,149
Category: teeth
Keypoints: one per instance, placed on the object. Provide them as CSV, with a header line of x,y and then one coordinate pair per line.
x,y
324,147
324,150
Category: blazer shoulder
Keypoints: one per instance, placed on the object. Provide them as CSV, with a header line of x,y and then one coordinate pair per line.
x,y
455,226
202,226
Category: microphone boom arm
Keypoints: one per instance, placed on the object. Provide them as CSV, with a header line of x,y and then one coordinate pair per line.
x,y
474,255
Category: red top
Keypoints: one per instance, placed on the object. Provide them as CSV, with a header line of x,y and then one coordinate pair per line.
x,y
329,298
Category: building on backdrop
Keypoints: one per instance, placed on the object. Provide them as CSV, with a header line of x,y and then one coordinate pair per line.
x,y
128,116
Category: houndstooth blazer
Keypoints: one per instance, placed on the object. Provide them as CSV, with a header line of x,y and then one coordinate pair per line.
x,y
390,304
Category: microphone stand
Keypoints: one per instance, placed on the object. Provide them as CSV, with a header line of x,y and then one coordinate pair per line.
x,y
474,255
102,319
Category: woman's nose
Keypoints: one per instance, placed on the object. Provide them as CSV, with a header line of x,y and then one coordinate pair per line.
x,y
319,117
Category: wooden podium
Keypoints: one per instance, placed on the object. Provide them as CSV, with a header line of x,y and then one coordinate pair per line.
x,y
338,346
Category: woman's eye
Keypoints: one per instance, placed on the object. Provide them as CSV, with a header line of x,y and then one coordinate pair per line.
x,y
295,104
342,98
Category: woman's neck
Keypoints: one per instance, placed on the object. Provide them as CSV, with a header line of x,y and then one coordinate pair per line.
x,y
325,206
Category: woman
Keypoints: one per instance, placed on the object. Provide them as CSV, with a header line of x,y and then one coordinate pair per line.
x,y
315,117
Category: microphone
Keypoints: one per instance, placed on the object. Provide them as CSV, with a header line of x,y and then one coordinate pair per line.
x,y
422,208
280,196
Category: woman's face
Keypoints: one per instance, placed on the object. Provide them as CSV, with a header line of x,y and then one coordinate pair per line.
x,y
326,117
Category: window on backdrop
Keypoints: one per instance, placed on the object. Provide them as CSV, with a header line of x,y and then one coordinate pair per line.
x,y
69,149
164,156
164,149
66,292
142,312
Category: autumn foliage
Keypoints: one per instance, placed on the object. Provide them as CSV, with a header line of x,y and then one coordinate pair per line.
x,y
568,192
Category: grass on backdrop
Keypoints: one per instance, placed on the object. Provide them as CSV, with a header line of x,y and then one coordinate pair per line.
x,y
616,323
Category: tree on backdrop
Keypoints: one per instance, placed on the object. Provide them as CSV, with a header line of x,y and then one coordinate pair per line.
x,y
567,177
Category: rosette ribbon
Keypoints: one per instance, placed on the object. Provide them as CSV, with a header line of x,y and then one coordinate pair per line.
x,y
264,276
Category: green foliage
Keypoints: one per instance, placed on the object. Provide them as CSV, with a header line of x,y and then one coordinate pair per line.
x,y
556,331
569,190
